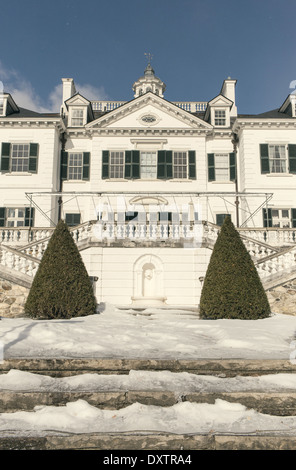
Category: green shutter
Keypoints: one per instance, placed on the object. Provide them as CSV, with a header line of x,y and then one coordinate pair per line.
x,y
33,158
264,156
5,156
86,166
64,165
192,165
132,164
29,216
267,218
128,164
165,164
105,164
135,164
169,164
293,217
211,167
161,170
292,158
232,166
2,216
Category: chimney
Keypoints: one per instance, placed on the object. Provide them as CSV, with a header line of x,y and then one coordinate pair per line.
x,y
68,90
228,90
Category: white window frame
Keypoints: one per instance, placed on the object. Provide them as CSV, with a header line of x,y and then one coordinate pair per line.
x,y
279,221
116,164
220,118
75,166
20,156
77,120
277,163
219,166
15,217
144,166
180,168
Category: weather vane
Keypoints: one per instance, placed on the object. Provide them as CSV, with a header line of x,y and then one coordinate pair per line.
x,y
149,57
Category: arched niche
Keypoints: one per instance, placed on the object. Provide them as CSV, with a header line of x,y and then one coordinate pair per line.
x,y
148,286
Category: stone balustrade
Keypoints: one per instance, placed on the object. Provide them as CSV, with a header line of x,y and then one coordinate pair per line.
x,y
284,261
276,237
18,261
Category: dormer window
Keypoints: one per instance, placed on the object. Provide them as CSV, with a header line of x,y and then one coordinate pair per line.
x,y
220,117
1,107
77,117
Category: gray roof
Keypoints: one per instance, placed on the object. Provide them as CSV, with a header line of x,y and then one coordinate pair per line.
x,y
273,114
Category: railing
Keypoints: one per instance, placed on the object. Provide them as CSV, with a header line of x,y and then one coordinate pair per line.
x,y
106,105
192,106
23,235
272,236
37,248
159,231
277,263
257,248
20,262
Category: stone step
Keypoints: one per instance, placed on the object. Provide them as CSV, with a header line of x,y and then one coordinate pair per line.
x,y
154,441
281,403
223,368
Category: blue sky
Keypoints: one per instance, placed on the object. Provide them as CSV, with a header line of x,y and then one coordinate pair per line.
x,y
196,44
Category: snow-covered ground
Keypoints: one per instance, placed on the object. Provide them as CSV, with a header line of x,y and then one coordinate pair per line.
x,y
169,334
151,333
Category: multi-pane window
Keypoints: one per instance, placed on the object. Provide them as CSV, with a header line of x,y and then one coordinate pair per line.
x,y
72,219
20,157
148,165
77,117
116,164
220,117
221,217
277,158
75,166
1,107
15,217
281,218
180,164
222,166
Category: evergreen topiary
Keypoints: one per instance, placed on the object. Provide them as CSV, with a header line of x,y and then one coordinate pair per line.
x,y
232,287
61,287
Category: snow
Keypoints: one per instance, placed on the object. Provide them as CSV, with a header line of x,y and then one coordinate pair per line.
x,y
151,333
147,334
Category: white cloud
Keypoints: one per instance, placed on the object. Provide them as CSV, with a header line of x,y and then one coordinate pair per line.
x,y
25,95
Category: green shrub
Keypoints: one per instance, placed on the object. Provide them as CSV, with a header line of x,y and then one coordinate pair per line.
x,y
232,287
61,287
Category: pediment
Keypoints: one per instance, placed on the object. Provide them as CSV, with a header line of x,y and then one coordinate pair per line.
x,y
149,111
220,100
77,100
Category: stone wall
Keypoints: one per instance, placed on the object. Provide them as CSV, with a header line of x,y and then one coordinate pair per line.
x,y
282,299
12,299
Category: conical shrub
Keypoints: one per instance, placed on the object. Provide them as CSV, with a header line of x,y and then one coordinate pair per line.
x,y
61,287
232,287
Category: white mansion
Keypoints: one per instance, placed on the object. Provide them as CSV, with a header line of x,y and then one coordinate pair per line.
x,y
144,186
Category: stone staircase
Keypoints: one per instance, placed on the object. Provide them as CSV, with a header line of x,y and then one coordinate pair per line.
x,y
274,403
274,263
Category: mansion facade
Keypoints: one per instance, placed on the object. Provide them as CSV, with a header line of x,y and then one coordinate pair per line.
x,y
144,186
